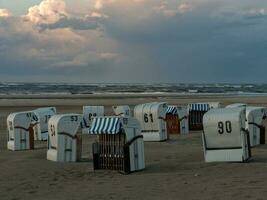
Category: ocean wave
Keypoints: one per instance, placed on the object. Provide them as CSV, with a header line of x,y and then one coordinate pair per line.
x,y
127,88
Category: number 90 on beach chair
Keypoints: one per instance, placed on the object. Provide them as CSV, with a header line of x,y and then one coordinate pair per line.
x,y
225,138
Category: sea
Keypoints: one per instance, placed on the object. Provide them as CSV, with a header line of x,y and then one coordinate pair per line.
x,y
127,88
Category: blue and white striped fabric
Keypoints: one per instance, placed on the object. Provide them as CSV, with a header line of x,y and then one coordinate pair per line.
x,y
171,110
199,107
105,125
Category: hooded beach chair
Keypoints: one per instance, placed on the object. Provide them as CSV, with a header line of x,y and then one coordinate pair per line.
x,y
151,117
64,144
123,111
196,113
88,113
254,124
177,120
225,138
20,131
120,145
42,117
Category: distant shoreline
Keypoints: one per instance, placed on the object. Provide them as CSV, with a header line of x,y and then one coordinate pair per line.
x,y
79,100
127,95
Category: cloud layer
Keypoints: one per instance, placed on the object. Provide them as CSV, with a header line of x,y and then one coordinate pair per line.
x,y
48,12
5,13
135,41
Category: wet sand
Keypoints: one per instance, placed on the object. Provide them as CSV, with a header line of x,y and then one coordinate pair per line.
x,y
174,169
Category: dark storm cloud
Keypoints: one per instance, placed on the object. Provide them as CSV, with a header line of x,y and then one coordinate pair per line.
x,y
200,47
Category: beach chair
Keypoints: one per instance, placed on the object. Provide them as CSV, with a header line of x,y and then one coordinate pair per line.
x,y
196,113
123,111
64,145
236,105
254,124
120,145
42,117
20,131
183,118
88,113
225,138
151,117
177,120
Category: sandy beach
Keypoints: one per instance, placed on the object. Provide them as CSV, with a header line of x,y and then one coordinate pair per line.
x,y
174,169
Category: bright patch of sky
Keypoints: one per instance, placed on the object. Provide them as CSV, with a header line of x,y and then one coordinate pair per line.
x,y
18,7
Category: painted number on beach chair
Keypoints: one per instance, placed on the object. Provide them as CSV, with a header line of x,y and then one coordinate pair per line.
x,y
151,117
74,118
222,127
53,131
146,119
91,115
35,118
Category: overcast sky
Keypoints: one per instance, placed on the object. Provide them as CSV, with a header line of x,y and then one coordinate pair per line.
x,y
138,41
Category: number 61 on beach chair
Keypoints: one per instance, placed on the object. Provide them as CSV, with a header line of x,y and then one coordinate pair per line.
x,y
225,138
